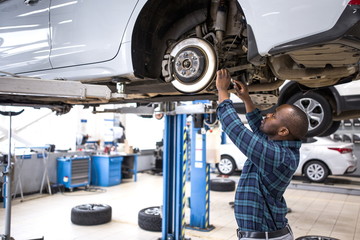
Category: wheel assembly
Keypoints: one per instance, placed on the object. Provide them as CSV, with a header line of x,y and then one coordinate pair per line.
x,y
91,214
150,219
316,171
194,65
317,109
226,165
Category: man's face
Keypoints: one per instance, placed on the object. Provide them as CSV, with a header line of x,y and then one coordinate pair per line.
x,y
273,121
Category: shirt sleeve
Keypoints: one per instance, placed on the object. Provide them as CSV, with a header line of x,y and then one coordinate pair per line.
x,y
254,119
254,145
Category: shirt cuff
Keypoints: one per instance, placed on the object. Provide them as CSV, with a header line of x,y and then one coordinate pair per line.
x,y
225,102
253,113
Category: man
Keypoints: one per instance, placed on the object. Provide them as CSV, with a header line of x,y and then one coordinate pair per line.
x,y
272,148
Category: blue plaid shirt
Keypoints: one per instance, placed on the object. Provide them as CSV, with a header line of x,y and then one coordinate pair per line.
x,y
259,203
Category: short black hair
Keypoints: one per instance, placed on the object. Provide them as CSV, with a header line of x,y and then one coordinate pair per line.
x,y
297,123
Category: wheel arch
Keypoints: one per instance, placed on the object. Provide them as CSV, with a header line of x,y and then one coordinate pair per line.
x,y
157,22
314,160
292,88
227,155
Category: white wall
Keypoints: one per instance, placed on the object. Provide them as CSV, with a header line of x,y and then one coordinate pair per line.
x,y
50,129
143,133
61,130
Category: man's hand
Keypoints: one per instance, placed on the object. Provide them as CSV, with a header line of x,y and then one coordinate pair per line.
x,y
222,84
243,93
241,90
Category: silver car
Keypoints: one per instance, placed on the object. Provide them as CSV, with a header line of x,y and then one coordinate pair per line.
x,y
160,50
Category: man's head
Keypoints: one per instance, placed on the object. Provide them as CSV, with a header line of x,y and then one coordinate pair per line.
x,y
288,122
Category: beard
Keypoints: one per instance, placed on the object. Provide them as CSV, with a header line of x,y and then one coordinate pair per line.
x,y
270,131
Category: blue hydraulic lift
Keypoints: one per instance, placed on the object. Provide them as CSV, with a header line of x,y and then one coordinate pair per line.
x,y
174,175
175,158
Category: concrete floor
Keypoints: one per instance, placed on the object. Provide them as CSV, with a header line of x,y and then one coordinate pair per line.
x,y
313,213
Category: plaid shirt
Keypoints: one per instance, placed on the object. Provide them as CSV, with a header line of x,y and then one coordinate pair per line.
x,y
259,202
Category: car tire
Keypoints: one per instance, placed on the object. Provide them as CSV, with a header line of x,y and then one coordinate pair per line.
x,y
318,110
150,219
313,237
333,128
226,165
90,214
316,171
222,185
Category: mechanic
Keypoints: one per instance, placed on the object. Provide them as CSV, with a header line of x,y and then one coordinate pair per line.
x,y
272,149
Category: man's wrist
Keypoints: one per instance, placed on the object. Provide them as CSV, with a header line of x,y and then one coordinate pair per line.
x,y
223,95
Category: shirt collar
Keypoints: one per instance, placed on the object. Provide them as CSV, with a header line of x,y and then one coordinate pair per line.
x,y
289,144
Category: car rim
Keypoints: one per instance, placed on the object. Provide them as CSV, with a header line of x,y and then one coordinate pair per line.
x,y
225,166
152,211
313,109
194,65
91,206
315,171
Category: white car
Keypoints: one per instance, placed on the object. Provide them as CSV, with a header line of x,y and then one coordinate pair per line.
x,y
319,157
161,50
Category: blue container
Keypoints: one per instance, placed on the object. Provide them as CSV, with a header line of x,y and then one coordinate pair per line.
x,y
73,171
106,170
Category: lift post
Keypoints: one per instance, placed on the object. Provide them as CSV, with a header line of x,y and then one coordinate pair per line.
x,y
174,173
174,178
200,178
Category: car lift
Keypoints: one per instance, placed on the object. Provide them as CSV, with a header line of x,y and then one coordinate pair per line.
x,y
174,174
174,156
175,165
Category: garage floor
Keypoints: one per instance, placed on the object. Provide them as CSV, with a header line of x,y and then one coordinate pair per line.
x,y
313,213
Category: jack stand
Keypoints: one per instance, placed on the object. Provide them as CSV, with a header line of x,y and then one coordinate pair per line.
x,y
7,183
174,175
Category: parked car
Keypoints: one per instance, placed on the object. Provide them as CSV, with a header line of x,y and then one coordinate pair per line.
x,y
325,107
160,50
319,157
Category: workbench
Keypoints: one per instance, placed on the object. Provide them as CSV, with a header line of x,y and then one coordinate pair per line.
x,y
106,170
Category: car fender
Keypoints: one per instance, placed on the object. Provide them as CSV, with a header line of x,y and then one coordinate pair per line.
x,y
267,19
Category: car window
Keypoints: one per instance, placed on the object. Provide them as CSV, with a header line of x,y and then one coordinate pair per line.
x,y
309,140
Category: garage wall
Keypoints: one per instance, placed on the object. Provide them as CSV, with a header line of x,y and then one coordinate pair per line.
x,y
45,127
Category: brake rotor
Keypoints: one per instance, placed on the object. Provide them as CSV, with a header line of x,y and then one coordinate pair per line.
x,y
194,65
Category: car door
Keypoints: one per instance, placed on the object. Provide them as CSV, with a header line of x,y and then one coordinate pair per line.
x,y
24,35
85,32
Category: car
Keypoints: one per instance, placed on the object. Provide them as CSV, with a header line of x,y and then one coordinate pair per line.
x,y
325,107
319,158
160,50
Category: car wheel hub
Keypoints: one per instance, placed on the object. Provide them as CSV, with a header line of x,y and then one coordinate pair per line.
x,y
152,211
225,166
189,66
194,64
313,109
315,171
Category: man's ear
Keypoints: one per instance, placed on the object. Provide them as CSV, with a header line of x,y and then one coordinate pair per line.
x,y
283,131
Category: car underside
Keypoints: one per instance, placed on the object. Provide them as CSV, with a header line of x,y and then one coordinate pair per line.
x,y
177,49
